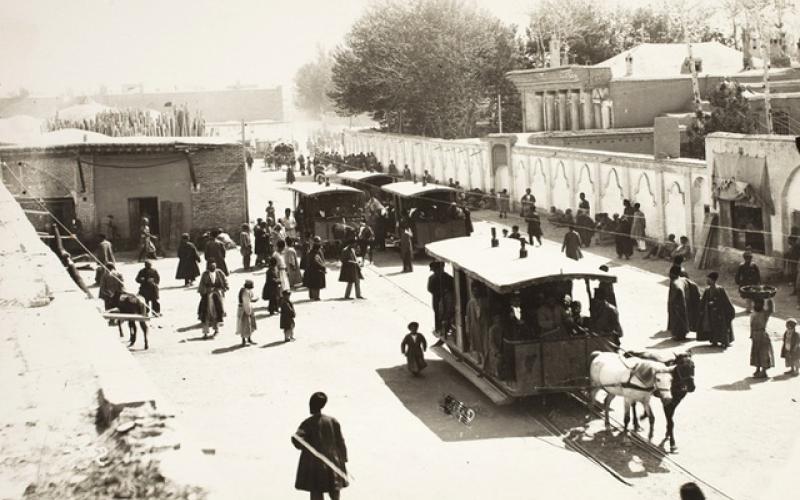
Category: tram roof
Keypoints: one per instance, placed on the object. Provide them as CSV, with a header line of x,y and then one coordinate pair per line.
x,y
314,189
359,175
503,270
410,188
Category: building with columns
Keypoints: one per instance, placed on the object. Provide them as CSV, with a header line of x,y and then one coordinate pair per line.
x,y
630,89
564,98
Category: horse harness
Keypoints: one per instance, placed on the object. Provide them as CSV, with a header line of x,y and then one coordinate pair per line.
x,y
630,385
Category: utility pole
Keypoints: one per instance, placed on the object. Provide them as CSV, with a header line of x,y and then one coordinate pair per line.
x,y
500,112
759,10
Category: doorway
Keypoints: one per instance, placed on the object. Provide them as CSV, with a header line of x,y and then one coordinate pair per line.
x,y
142,207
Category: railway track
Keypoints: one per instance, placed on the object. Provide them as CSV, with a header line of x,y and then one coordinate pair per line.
x,y
549,422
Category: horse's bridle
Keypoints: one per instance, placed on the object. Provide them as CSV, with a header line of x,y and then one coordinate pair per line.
x,y
682,374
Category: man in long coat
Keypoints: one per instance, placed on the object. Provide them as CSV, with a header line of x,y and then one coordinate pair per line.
x,y
323,434
314,276
716,314
677,309
438,283
105,256
572,244
149,280
188,258
215,252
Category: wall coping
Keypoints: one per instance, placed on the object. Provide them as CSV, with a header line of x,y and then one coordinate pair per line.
x,y
751,137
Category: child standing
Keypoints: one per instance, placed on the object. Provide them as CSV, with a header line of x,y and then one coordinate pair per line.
x,y
287,316
245,316
791,347
413,346
272,286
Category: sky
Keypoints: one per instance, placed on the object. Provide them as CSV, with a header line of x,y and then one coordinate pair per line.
x,y
49,46
52,46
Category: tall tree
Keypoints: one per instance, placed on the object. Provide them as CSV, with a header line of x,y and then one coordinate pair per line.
x,y
730,112
428,67
312,84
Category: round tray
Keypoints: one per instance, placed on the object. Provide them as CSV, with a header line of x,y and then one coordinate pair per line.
x,y
757,291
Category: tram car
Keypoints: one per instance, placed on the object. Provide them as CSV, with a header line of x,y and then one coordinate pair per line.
x,y
525,326
429,208
369,182
283,154
328,210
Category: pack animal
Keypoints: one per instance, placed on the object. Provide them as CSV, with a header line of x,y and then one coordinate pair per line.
x,y
133,304
682,385
636,382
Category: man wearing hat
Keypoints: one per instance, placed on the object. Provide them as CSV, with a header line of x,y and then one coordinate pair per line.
x,y
320,435
716,314
314,275
748,274
439,284
245,246
148,280
677,307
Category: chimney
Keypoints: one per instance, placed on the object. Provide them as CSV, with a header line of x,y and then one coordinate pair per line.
x,y
629,64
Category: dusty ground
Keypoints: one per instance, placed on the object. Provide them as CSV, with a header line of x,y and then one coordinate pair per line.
x,y
243,403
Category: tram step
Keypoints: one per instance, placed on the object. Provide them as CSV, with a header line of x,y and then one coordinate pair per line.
x,y
492,392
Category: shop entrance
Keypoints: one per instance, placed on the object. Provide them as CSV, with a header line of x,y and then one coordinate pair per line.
x,y
142,207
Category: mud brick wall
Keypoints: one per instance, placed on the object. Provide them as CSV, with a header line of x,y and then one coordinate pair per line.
x,y
220,199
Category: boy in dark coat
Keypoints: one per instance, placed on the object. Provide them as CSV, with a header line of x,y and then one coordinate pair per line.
x,y
413,347
748,274
272,286
287,316
323,435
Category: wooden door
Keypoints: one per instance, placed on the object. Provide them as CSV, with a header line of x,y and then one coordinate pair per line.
x,y
134,217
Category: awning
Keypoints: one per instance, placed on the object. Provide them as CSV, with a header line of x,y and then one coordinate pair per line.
x,y
742,178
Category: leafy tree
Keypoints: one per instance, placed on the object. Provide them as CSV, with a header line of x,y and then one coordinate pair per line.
x,y
312,84
730,112
427,67
590,33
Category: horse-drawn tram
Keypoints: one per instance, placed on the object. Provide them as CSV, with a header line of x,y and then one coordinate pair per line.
x,y
524,326
429,208
320,208
369,182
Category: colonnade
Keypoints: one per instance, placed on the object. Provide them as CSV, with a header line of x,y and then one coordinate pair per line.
x,y
562,110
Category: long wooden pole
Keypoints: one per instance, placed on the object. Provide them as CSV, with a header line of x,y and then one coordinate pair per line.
x,y
323,458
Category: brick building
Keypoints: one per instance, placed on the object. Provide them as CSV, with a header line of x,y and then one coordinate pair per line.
x,y
183,184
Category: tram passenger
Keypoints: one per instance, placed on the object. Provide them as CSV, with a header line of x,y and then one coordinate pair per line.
x,y
549,316
605,317
477,320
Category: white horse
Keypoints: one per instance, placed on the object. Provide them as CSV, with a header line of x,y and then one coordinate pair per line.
x,y
635,380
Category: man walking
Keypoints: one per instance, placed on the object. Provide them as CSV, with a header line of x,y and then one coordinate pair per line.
x,y
149,280
350,272
716,314
323,454
527,203
215,252
572,244
105,256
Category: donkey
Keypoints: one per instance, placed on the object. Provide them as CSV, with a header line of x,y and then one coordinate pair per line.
x,y
682,384
636,383
133,304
